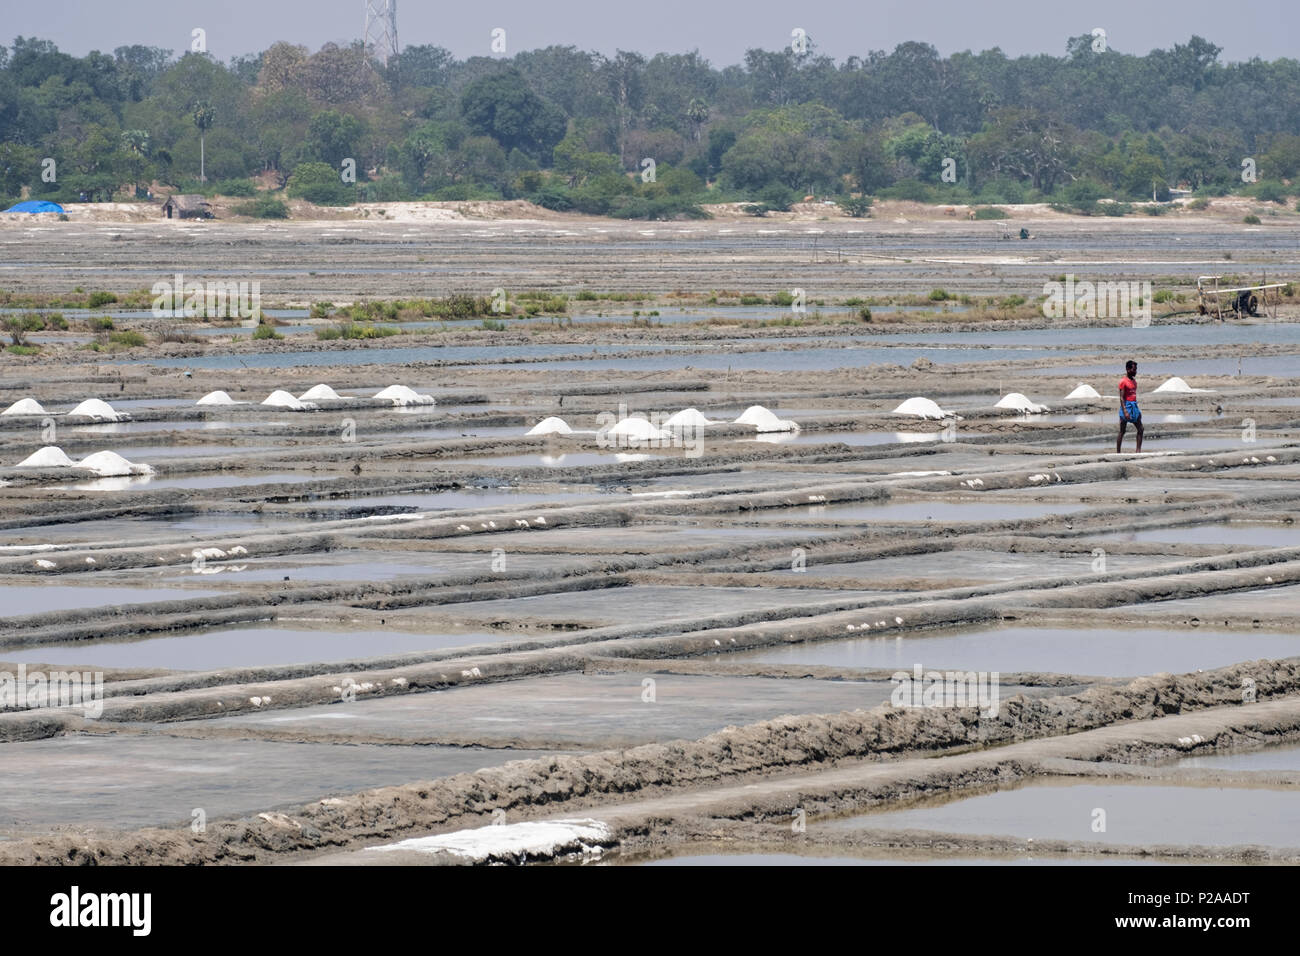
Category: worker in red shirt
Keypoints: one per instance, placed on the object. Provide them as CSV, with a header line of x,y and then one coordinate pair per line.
x,y
1128,405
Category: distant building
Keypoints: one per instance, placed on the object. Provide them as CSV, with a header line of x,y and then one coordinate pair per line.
x,y
187,207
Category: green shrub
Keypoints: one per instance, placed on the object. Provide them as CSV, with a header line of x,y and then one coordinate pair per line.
x,y
856,206
100,298
129,339
1251,220
751,300
263,207
1198,204
266,332
100,323
319,183
990,212
321,310
864,314
1164,295
327,333
233,187
23,349
939,295
492,325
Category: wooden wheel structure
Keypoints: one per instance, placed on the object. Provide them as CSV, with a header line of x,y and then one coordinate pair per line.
x,y
1240,301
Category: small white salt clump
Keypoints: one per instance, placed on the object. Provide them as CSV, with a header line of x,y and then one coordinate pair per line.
x,y
1020,403
109,464
51,456
636,429
282,399
687,418
551,426
320,393
1084,390
764,420
920,408
97,409
402,395
1176,384
24,406
216,398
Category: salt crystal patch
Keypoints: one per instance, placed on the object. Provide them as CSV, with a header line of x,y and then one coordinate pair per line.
x,y
764,420
24,406
920,407
550,426
95,408
51,456
318,393
404,395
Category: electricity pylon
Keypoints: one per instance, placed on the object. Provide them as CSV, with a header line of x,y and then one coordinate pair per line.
x,y
381,29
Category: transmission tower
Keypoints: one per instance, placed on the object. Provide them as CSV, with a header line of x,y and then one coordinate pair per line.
x,y
381,29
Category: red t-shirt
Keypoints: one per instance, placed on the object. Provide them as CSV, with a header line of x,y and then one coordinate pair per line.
x,y
1128,390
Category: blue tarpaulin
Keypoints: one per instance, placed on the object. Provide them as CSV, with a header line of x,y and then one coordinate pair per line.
x,y
35,205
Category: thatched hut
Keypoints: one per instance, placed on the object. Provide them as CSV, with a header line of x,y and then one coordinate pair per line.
x,y
187,206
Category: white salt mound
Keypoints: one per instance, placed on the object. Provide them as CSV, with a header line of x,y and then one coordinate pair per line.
x,y
921,408
24,406
282,399
687,418
636,429
51,456
764,420
1176,384
216,398
320,392
402,395
551,426
1084,390
1020,403
94,408
109,464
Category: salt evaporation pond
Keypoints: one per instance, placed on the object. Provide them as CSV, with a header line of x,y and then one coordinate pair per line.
x,y
899,510
1123,652
36,598
1269,758
1136,814
1230,532
245,647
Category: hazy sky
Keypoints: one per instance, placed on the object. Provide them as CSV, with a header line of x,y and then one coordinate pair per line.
x,y
721,31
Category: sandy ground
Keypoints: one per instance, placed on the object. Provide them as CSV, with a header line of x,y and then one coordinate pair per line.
x,y
339,628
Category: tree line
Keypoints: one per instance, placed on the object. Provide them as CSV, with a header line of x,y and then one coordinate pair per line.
x,y
648,136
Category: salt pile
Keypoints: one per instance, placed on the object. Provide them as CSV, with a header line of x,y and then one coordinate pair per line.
x,y
1084,390
1020,403
216,398
51,456
1176,384
687,418
320,393
636,429
921,408
510,840
24,406
765,421
402,395
94,408
109,464
282,399
551,426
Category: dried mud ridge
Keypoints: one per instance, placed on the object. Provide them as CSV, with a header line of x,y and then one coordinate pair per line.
x,y
759,752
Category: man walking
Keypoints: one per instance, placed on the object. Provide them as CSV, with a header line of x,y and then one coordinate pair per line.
x,y
1128,405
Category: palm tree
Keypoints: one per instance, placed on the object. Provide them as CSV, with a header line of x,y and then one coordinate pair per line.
x,y
203,116
697,111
